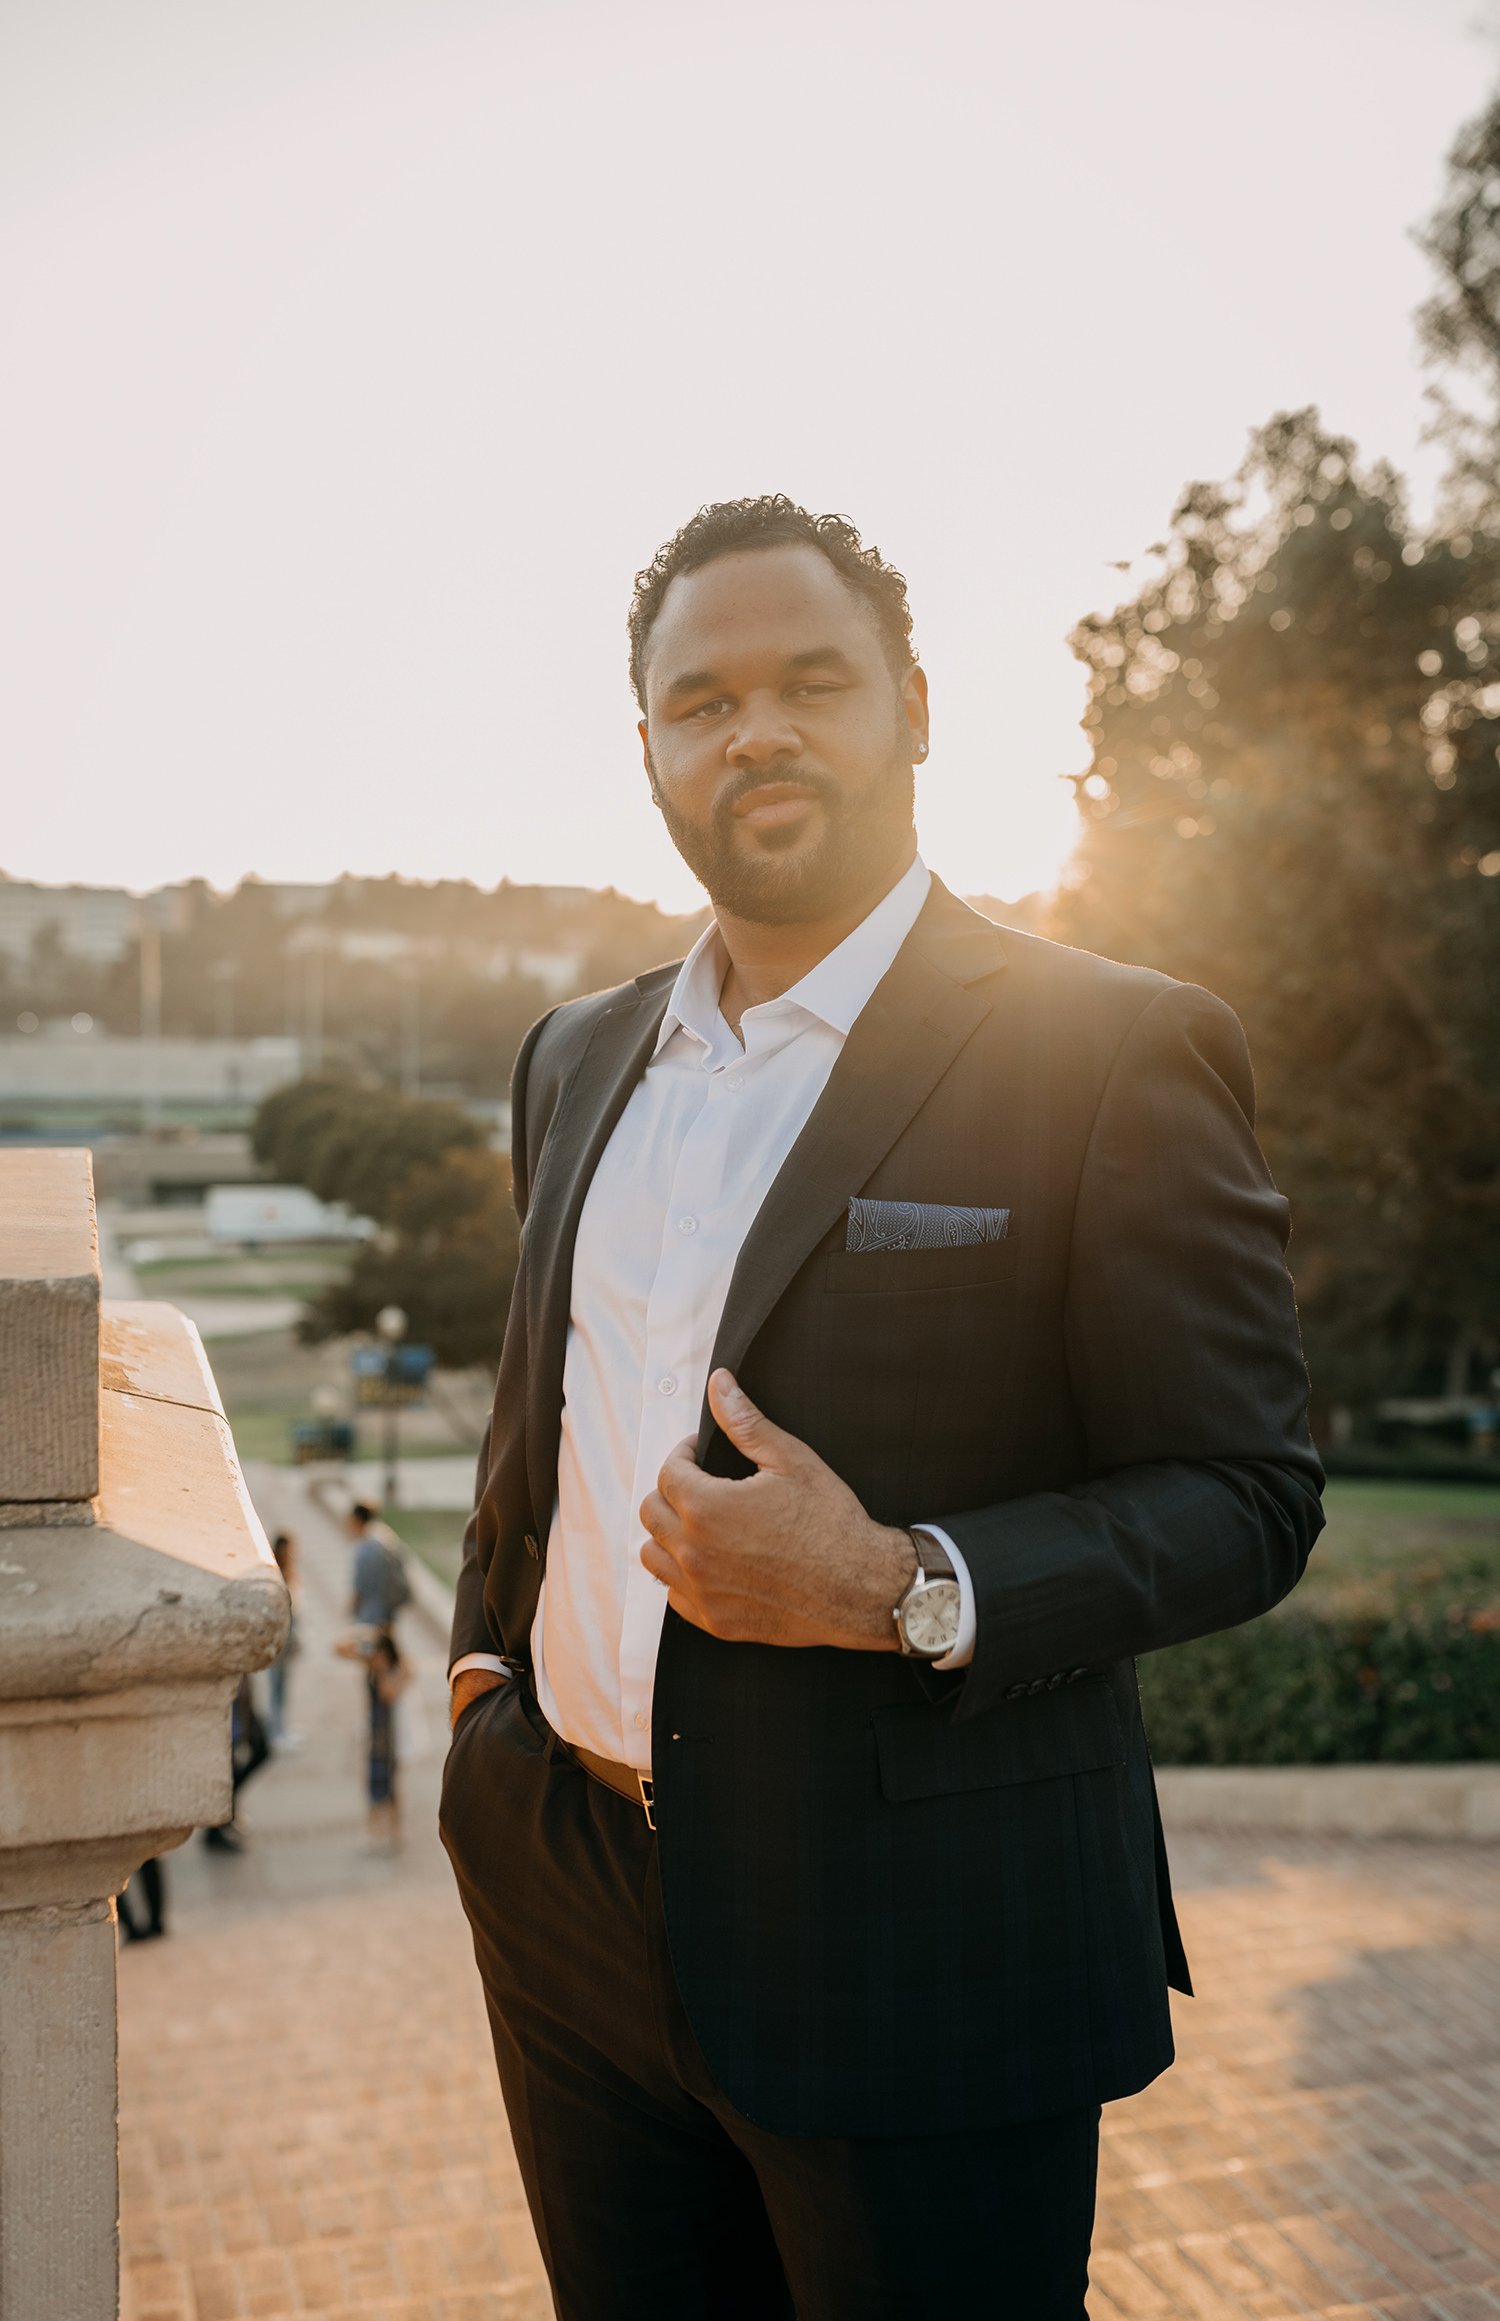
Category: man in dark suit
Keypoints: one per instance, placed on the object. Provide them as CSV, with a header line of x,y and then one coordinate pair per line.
x,y
799,1797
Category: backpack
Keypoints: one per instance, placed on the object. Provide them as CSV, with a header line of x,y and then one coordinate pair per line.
x,y
395,1586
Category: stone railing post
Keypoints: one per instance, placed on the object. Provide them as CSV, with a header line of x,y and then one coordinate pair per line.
x,y
136,1588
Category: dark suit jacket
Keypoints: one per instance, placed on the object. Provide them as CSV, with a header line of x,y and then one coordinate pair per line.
x,y
900,1901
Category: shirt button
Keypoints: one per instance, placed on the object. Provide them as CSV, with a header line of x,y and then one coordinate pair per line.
x,y
640,1718
666,1386
687,1224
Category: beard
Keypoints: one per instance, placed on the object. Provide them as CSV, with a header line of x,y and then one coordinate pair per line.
x,y
783,877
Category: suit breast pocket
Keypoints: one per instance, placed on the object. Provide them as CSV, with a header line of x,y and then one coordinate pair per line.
x,y
924,1754
967,1265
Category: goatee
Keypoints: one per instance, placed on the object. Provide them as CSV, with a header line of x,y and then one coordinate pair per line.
x,y
789,879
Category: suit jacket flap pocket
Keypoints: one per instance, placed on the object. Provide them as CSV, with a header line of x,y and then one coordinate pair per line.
x,y
1073,1730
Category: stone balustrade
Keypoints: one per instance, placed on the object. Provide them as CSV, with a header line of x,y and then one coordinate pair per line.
x,y
136,1588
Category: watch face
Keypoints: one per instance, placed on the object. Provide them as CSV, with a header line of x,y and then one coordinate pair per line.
x,y
929,1620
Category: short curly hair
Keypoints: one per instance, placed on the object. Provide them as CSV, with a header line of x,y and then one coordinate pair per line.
x,y
773,521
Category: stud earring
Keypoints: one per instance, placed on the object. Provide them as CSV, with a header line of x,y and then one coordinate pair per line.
x,y
921,749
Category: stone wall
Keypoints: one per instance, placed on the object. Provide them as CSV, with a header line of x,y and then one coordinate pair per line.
x,y
136,1588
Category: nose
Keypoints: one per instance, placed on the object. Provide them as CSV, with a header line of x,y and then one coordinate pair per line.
x,y
763,733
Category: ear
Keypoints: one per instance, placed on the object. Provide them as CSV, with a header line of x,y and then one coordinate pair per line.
x,y
914,703
646,758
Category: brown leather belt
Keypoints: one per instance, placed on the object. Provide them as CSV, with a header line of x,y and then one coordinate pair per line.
x,y
635,1788
622,1779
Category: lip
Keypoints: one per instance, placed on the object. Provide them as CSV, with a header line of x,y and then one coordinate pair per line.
x,y
774,803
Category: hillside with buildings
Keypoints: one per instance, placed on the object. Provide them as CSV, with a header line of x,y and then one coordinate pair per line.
x,y
187,1006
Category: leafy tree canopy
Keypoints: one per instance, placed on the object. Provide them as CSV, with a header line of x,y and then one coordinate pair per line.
x,y
350,1142
447,1248
449,1260
1294,798
1460,323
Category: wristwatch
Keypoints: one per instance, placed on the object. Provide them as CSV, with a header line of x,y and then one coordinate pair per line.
x,y
928,1614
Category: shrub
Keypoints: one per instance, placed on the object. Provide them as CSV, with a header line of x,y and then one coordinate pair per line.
x,y
1417,1686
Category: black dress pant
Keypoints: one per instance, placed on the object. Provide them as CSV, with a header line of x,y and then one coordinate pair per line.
x,y
653,2198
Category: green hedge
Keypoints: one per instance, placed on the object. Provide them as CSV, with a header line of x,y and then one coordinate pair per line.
x,y
1420,1686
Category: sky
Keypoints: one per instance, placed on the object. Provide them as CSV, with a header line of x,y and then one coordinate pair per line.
x,y
358,352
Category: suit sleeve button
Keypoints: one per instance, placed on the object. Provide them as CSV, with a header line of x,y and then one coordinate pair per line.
x,y
532,1549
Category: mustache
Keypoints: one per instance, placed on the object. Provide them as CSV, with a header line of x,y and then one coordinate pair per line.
x,y
809,778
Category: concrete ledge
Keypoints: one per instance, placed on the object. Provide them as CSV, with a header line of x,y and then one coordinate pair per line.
x,y
1437,1801
150,1349
107,1767
49,1327
174,1579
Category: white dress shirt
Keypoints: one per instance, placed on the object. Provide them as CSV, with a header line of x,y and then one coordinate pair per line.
x,y
677,1188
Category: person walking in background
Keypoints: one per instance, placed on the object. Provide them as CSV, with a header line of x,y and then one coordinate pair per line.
x,y
380,1584
248,1750
380,1590
284,1548
386,1676
901,1343
151,1878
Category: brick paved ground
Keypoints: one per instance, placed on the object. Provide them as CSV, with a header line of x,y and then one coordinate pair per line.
x,y
310,2125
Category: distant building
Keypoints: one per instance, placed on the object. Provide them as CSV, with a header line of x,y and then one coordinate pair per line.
x,y
97,923
290,900
560,973
58,1069
377,946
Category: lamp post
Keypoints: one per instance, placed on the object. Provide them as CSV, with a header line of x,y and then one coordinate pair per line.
x,y
390,1322
151,1020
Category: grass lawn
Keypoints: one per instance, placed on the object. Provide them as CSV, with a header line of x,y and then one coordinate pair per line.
x,y
267,1380
284,1273
436,1534
1383,1538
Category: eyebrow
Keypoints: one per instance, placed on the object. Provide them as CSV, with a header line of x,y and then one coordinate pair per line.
x,y
708,681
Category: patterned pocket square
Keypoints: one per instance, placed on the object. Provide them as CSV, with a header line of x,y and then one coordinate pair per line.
x,y
921,1225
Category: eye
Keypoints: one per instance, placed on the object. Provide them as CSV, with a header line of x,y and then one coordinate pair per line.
x,y
707,709
816,688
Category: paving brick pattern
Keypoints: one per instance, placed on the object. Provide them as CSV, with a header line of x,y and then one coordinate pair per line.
x,y
310,2123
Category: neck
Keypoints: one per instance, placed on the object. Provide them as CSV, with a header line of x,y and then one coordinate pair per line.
x,y
766,961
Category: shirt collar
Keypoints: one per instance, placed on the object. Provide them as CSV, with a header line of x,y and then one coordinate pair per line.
x,y
836,990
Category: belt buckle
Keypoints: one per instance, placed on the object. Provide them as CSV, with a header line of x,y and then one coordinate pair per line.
x,y
648,1798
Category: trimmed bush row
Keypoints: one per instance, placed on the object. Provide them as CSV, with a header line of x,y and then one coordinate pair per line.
x,y
1421,1687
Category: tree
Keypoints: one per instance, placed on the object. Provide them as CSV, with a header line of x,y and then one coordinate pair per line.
x,y
356,1144
1460,323
448,1259
1294,798
422,1170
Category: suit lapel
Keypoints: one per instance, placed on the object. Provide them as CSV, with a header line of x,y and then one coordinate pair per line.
x,y
598,1089
902,1043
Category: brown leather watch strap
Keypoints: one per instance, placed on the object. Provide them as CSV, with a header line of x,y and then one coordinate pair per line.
x,y
932,1557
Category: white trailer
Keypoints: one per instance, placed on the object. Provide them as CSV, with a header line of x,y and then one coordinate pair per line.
x,y
251,1216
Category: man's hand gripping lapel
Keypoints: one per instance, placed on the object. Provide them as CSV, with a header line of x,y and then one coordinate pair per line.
x,y
784,1556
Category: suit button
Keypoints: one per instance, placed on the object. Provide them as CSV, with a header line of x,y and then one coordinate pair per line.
x,y
1037,1684
532,1549
1054,1681
1015,1692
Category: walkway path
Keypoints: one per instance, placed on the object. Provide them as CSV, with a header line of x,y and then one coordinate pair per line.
x,y
310,2123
